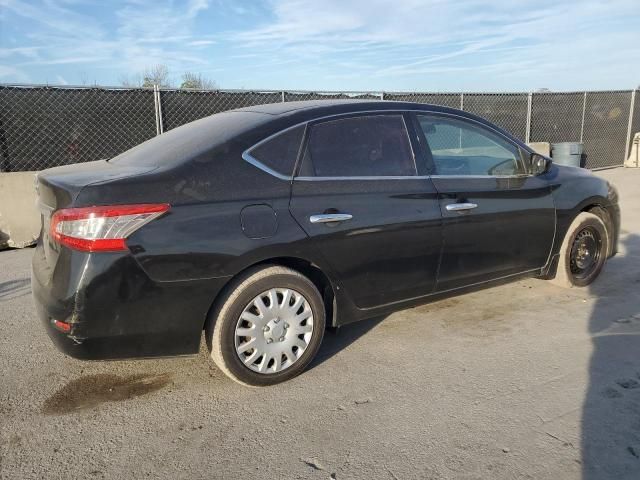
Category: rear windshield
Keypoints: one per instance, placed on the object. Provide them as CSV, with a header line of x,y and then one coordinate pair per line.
x,y
188,141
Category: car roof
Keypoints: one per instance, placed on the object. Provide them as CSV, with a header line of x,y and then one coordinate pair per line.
x,y
345,105
286,114
308,110
286,107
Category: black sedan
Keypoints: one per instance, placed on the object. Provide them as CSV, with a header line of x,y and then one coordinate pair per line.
x,y
263,226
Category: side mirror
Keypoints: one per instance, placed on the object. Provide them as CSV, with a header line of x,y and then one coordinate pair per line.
x,y
539,164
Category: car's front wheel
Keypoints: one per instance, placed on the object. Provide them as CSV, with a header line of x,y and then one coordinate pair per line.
x,y
267,327
583,251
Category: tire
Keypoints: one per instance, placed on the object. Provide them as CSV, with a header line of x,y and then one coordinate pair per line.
x,y
587,229
277,327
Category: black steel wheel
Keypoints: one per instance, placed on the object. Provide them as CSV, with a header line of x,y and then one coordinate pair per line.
x,y
583,251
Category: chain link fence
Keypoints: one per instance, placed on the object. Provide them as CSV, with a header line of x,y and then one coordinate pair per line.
x,y
43,127
46,127
606,120
183,106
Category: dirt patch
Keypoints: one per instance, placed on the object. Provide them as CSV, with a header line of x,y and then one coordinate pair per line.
x,y
481,314
92,390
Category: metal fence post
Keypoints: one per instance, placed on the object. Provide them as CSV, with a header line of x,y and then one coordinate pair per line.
x,y
584,108
34,108
629,132
155,108
161,123
527,134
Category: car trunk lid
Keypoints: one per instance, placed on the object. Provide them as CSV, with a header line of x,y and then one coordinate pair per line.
x,y
59,188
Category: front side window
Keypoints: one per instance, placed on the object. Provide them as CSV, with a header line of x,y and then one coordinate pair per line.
x,y
365,146
463,148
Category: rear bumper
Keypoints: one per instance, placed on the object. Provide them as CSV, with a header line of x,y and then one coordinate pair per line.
x,y
115,310
119,346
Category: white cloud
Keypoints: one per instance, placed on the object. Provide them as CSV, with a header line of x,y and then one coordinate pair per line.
x,y
416,37
55,17
17,75
146,32
375,43
201,43
27,52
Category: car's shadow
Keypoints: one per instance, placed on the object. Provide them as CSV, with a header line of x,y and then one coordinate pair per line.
x,y
610,426
336,340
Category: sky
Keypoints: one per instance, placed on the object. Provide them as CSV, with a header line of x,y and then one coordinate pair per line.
x,y
348,45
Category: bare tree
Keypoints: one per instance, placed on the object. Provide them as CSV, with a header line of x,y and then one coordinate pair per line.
x,y
84,79
131,81
197,82
155,75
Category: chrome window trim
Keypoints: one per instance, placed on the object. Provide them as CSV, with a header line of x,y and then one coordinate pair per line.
x,y
397,177
257,163
522,175
248,158
246,155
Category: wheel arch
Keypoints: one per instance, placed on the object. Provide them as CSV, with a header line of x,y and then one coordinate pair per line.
x,y
599,209
595,205
305,267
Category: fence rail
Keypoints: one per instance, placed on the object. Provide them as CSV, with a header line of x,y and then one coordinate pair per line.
x,y
44,126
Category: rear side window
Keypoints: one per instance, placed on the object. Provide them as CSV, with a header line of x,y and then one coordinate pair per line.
x,y
280,152
359,147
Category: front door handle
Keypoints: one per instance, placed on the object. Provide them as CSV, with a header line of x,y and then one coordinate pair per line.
x,y
461,207
330,217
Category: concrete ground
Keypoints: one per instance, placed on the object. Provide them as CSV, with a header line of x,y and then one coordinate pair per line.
x,y
521,381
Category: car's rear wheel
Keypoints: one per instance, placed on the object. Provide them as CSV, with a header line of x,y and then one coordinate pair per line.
x,y
267,327
583,251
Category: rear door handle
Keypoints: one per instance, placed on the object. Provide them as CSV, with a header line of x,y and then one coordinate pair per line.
x,y
460,207
330,217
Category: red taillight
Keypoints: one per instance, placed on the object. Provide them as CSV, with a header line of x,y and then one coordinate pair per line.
x,y
101,229
62,326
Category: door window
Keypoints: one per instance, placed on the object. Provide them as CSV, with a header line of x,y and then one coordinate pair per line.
x,y
364,146
463,148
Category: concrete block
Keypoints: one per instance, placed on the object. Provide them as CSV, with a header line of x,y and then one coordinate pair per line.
x,y
19,215
634,156
543,148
